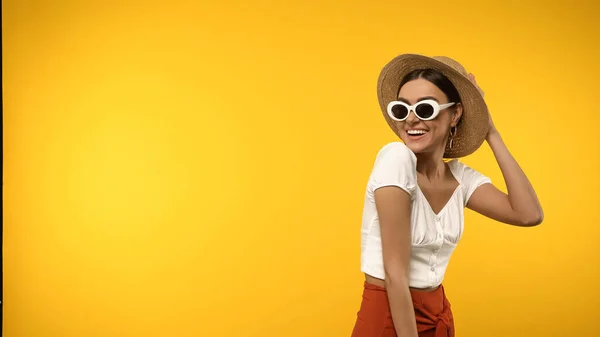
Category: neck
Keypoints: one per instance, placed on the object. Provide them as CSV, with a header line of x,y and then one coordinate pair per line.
x,y
431,164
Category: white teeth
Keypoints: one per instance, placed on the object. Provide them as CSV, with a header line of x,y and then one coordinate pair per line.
x,y
416,132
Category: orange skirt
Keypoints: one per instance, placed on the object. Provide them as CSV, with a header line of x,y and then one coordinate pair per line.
x,y
432,311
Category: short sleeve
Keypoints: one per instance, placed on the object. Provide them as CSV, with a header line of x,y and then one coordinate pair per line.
x,y
471,180
395,165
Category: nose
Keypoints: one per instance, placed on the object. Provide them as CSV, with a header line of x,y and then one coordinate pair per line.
x,y
412,118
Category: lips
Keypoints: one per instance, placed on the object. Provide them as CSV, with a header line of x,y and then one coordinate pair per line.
x,y
416,134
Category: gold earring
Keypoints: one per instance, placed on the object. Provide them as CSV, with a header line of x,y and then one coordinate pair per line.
x,y
452,134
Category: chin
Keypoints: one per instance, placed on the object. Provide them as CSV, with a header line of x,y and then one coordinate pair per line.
x,y
426,144
415,147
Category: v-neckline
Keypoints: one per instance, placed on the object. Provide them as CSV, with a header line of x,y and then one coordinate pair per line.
x,y
449,199
445,205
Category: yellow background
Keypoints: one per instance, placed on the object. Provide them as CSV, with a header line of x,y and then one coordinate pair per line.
x,y
198,169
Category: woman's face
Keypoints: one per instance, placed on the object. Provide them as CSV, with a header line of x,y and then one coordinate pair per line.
x,y
426,136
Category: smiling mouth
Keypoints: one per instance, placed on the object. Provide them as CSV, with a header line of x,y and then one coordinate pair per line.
x,y
416,134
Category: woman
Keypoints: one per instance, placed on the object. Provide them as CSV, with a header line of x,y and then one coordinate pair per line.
x,y
418,189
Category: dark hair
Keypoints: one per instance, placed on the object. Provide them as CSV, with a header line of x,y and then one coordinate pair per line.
x,y
435,77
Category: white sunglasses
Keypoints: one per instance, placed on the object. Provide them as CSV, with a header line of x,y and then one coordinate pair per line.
x,y
425,110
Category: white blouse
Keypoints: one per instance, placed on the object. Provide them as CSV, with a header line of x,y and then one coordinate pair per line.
x,y
433,236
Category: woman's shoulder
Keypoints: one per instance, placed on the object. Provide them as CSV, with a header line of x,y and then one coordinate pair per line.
x,y
396,149
395,145
457,167
463,172
395,165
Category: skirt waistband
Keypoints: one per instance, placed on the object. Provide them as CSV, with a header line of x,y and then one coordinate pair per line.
x,y
432,308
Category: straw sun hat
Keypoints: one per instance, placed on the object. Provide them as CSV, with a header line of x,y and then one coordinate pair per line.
x,y
473,126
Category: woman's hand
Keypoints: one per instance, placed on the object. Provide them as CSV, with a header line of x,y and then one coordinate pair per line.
x,y
472,79
491,130
491,127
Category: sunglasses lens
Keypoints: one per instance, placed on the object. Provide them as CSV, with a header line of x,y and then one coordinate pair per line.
x,y
424,110
399,111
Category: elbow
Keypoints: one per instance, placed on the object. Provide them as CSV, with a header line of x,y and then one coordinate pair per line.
x,y
532,220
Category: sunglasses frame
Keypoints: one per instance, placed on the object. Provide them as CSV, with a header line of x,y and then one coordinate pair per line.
x,y
436,109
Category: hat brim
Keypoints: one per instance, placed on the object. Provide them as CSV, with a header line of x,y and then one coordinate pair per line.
x,y
473,127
